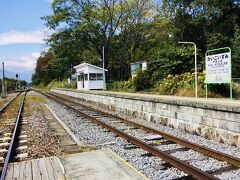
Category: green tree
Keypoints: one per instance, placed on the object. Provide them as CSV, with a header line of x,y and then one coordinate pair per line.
x,y
137,30
236,54
89,25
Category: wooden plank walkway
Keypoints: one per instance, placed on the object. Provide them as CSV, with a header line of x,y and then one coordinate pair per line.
x,y
38,169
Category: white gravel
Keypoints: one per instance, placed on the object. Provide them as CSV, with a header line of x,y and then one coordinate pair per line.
x,y
169,147
186,155
209,164
231,175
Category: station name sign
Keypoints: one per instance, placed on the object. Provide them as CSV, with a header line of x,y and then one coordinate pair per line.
x,y
218,68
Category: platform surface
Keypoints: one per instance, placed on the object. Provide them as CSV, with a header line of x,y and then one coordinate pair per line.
x,y
97,165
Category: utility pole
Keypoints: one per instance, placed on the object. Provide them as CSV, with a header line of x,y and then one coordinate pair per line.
x,y
19,85
6,88
71,73
103,59
3,81
16,82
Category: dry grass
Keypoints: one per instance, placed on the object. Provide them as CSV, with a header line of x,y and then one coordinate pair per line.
x,y
42,140
33,102
186,92
4,100
87,148
201,93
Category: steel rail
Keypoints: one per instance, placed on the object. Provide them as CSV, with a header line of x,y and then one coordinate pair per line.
x,y
12,143
204,150
4,107
187,168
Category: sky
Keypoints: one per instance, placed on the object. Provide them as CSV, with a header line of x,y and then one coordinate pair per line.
x,y
22,34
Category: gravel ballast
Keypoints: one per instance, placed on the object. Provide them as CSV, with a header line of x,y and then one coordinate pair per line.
x,y
90,134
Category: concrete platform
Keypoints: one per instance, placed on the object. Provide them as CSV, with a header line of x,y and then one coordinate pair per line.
x,y
100,165
97,165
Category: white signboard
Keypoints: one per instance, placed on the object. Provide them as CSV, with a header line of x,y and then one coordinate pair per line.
x,y
218,68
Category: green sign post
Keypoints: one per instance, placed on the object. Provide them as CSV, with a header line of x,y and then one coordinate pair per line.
x,y
218,68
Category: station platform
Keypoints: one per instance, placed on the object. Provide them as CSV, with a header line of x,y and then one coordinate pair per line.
x,y
218,103
97,165
215,119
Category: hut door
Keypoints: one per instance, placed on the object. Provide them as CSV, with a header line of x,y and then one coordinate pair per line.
x,y
81,79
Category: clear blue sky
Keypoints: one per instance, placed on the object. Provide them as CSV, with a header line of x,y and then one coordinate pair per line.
x,y
21,35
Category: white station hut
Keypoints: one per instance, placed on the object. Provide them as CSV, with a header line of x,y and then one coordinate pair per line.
x,y
90,77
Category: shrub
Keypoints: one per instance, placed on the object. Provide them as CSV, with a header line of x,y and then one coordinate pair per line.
x,y
182,84
62,84
123,86
141,81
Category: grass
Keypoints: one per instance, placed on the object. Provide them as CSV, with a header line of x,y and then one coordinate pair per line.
x,y
32,103
3,101
42,88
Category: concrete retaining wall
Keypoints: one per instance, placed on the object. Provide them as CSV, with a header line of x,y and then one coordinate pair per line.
x,y
213,119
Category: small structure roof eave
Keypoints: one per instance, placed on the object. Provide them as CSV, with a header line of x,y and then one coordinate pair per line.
x,y
75,67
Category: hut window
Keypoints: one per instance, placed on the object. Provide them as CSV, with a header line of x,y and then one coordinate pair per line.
x,y
92,76
86,77
99,76
80,77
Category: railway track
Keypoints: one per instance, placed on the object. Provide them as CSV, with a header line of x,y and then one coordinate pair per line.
x,y
235,162
12,139
126,129
26,136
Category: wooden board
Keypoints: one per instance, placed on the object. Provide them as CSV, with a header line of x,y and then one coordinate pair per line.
x,y
37,169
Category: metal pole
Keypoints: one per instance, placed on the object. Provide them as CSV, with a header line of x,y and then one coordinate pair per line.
x,y
206,90
103,59
195,58
3,83
231,90
196,78
71,74
19,85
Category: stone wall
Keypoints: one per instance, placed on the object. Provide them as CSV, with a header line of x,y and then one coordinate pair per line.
x,y
209,118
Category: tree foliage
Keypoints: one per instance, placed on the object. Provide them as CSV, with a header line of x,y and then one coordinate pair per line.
x,y
11,83
137,30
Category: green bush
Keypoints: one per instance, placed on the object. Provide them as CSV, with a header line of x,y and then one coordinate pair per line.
x,y
62,84
180,84
141,81
122,86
